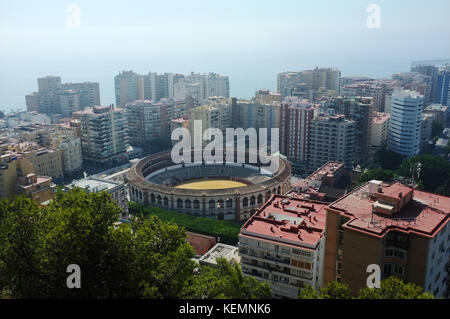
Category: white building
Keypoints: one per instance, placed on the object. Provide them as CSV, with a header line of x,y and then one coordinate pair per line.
x,y
405,123
283,243
117,190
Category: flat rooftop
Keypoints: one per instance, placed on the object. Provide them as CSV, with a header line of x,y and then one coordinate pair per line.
x,y
424,215
288,220
381,118
95,185
328,169
220,251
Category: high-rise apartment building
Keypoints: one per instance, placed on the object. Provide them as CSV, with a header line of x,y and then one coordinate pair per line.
x,y
288,83
104,134
295,125
332,138
405,123
55,98
360,110
367,90
158,86
129,87
380,129
404,231
283,244
149,123
89,93
214,115
442,89
69,101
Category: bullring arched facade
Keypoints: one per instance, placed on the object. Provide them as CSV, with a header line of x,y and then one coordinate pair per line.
x,y
228,204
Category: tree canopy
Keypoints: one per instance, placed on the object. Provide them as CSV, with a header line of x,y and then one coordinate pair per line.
x,y
394,288
147,258
391,288
434,175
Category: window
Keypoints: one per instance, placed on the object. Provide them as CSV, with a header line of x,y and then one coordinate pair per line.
x,y
395,252
396,239
387,268
301,264
301,252
398,270
340,237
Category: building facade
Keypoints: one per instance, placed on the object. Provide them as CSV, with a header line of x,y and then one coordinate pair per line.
x,y
405,122
283,244
104,134
332,138
402,230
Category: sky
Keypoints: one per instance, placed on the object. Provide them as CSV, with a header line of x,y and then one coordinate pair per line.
x,y
250,41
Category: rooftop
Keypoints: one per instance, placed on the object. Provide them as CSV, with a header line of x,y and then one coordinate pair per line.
x,y
200,243
436,107
95,185
289,220
424,214
220,251
327,170
381,118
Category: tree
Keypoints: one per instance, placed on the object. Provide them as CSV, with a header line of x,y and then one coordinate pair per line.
x,y
387,159
226,281
391,288
146,258
394,288
378,174
332,290
436,128
435,172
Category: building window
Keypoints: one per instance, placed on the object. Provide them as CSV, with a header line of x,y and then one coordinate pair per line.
x,y
387,269
340,237
398,270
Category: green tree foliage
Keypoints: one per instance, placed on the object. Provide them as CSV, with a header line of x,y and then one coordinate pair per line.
x,y
391,288
378,174
394,288
387,159
145,259
332,290
437,127
226,281
435,173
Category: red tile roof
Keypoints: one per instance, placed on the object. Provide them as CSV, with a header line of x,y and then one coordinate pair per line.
x,y
288,220
424,215
200,243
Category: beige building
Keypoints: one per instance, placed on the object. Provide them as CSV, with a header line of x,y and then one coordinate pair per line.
x,y
35,187
70,147
380,127
403,230
129,87
45,161
214,115
17,178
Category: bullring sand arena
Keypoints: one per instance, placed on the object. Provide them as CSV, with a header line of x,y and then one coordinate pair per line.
x,y
211,184
225,190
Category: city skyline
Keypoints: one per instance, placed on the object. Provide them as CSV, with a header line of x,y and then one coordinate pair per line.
x,y
262,41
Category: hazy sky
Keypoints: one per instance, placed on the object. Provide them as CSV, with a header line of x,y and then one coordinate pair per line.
x,y
250,41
